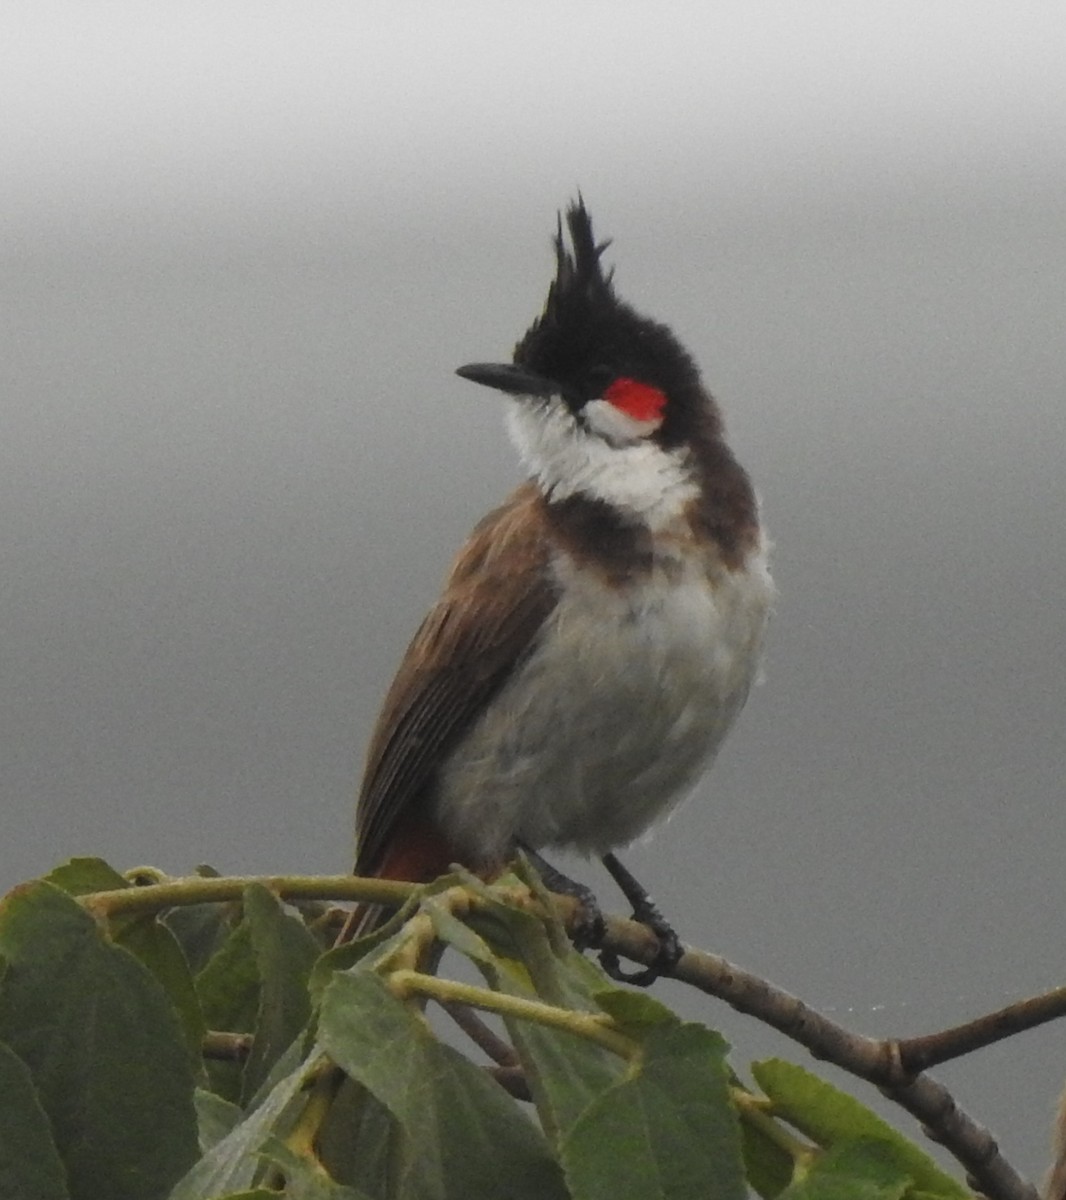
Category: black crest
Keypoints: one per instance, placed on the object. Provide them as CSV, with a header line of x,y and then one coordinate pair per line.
x,y
580,300
587,336
579,277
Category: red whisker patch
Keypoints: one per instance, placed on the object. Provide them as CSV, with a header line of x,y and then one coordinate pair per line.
x,y
638,400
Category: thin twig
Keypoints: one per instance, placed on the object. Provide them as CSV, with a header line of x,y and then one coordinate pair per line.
x,y
513,1080
918,1053
222,1046
497,1048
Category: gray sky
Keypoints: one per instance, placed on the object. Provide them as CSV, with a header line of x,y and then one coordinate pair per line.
x,y
244,249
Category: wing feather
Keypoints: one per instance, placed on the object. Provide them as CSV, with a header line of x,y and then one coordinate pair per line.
x,y
495,601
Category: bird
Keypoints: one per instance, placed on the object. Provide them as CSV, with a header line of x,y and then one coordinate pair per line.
x,y
598,632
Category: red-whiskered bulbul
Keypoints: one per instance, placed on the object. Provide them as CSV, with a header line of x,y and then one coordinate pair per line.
x,y
598,633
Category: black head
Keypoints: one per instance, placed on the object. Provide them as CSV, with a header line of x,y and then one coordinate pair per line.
x,y
587,339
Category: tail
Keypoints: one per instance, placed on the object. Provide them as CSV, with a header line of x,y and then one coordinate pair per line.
x,y
419,856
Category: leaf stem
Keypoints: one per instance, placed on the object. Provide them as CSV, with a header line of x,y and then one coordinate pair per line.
x,y
301,1139
756,1111
596,1027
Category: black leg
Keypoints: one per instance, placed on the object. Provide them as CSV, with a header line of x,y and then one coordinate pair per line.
x,y
589,928
647,913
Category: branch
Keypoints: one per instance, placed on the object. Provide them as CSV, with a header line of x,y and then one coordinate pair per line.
x,y
223,1046
513,1080
502,1053
918,1053
878,1062
893,1066
195,889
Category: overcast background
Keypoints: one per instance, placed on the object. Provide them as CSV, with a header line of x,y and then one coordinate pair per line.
x,y
244,247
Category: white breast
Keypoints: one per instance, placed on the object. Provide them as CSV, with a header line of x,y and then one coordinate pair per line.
x,y
620,709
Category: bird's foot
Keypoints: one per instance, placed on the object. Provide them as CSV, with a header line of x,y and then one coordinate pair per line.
x,y
647,913
589,925
589,928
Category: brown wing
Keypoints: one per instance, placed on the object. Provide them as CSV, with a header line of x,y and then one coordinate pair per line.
x,y
495,601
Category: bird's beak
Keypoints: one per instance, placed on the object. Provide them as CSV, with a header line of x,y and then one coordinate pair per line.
x,y
505,377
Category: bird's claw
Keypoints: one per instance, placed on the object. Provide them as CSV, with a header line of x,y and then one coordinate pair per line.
x,y
647,913
666,957
589,927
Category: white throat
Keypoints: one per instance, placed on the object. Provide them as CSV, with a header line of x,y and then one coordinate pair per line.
x,y
565,459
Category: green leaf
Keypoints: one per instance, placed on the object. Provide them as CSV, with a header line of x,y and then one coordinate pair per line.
x,y
304,1179
234,1162
457,934
355,1141
201,929
347,954
636,1012
768,1165
372,947
828,1116
144,935
565,1072
102,1044
465,1136
860,1170
228,988
150,941
83,876
215,1118
668,1132
30,1166
514,934
284,953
